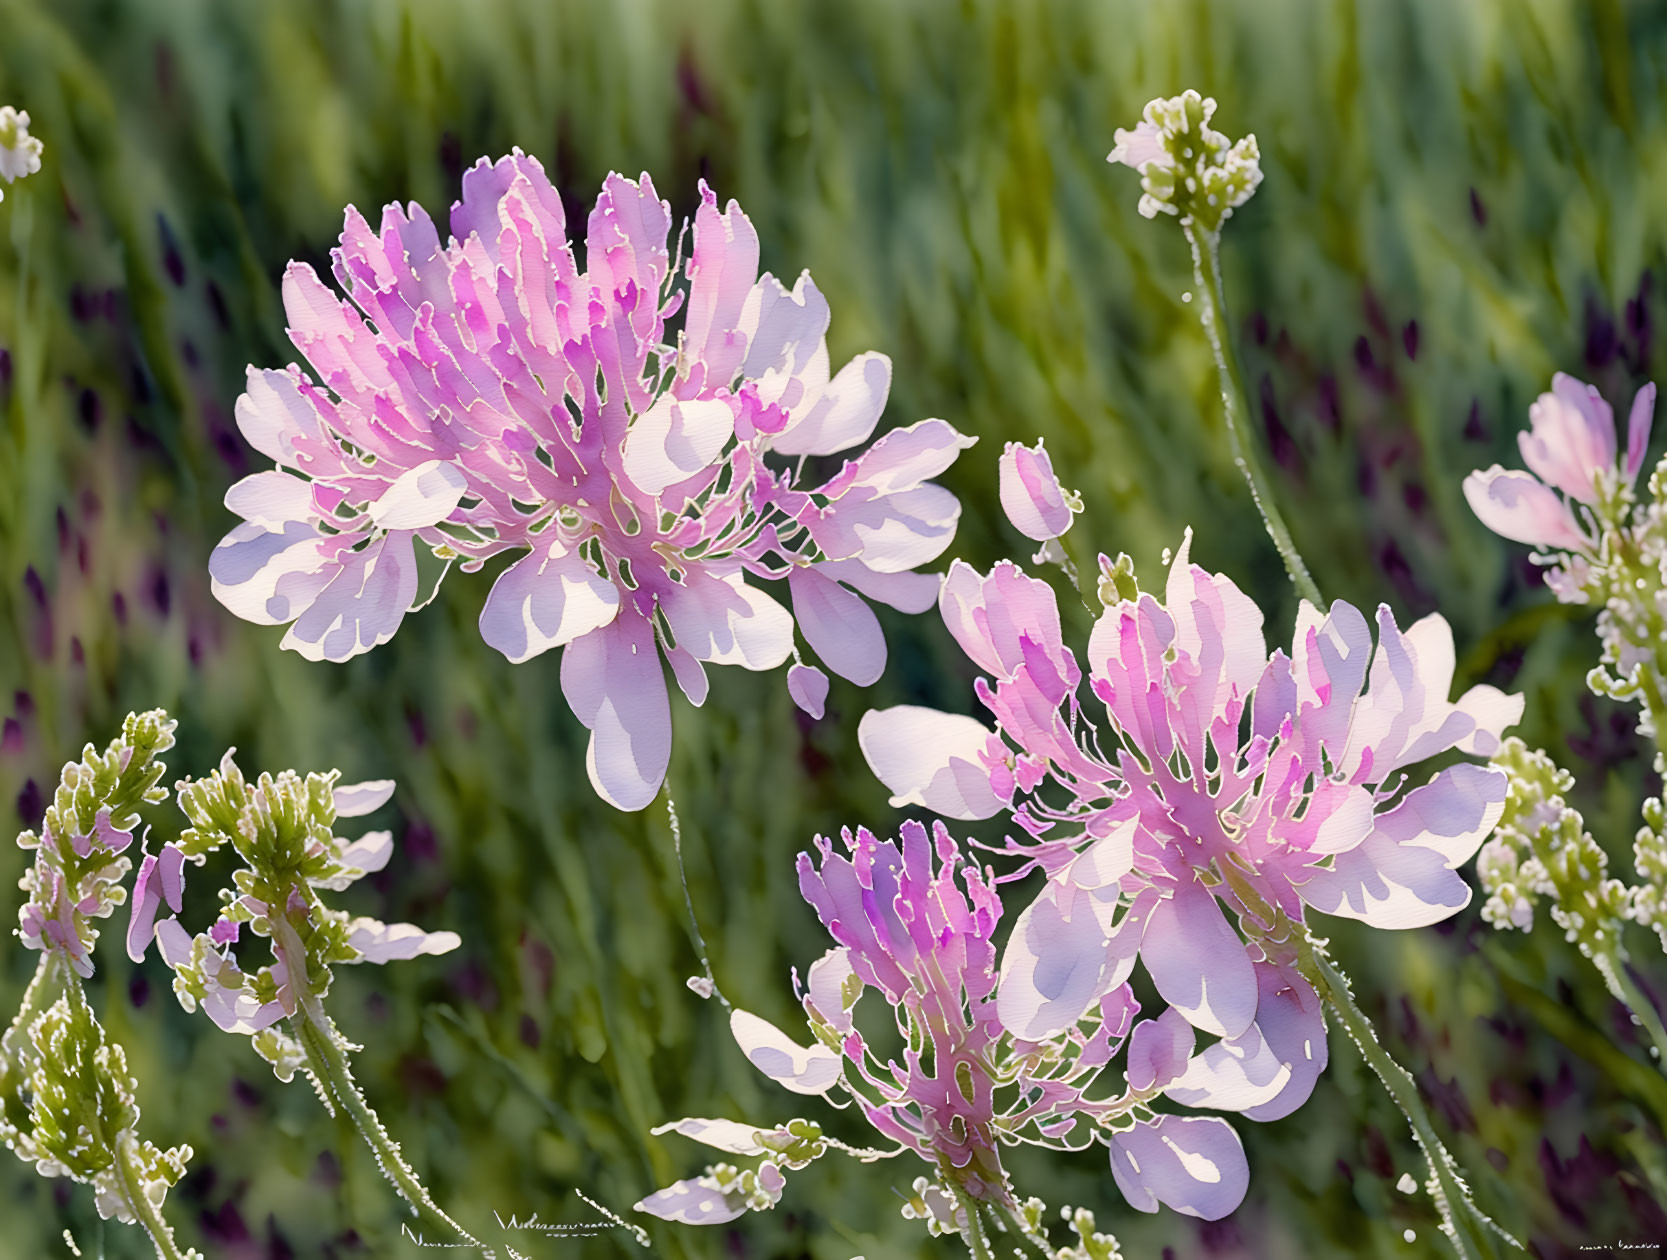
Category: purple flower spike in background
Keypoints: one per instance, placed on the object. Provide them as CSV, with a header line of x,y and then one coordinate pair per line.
x,y
485,395
916,924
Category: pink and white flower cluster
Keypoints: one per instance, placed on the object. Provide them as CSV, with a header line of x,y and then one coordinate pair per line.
x,y
915,923
282,828
1227,787
80,855
65,895
487,395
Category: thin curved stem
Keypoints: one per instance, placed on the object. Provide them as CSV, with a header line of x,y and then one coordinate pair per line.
x,y
1206,271
329,1063
147,1213
1464,1224
689,901
1612,967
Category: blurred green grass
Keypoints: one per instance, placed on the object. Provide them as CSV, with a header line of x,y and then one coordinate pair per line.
x,y
1459,200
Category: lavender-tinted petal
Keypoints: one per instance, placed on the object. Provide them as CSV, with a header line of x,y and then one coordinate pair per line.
x,y
546,599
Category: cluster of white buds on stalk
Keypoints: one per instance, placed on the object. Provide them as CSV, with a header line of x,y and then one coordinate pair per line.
x,y
1649,855
1187,168
1542,850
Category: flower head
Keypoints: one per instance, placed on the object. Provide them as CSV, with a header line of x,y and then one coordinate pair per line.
x,y
915,924
283,828
485,395
1186,168
20,152
1571,451
80,858
1228,786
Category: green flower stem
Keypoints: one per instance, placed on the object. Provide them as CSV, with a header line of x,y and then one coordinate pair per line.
x,y
1612,966
52,974
1206,271
148,1214
974,1232
327,1061
329,1064
1463,1223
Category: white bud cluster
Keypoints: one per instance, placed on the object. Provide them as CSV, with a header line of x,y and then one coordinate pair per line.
x,y
1187,168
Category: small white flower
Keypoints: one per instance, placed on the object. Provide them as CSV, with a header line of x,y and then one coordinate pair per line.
x,y
20,153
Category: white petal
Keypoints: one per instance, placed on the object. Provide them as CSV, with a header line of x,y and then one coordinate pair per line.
x,y
688,1202
673,440
380,942
724,1135
272,499
423,496
845,414
930,758
354,800
546,599
802,1069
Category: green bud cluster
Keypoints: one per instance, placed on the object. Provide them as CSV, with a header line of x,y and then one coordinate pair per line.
x,y
1541,850
756,1187
1649,853
78,860
1090,1244
1187,168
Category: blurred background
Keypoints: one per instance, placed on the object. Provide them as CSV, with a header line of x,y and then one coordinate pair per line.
x,y
1460,199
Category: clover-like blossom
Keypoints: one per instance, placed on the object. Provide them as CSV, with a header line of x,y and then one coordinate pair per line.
x,y
915,924
1225,778
80,853
1574,468
486,395
282,826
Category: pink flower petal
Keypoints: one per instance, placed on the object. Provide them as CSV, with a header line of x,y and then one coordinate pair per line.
x,y
1638,430
1031,494
362,605
839,626
547,599
1517,506
844,414
809,688
1198,962
614,684
930,758
1159,1050
1191,1164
